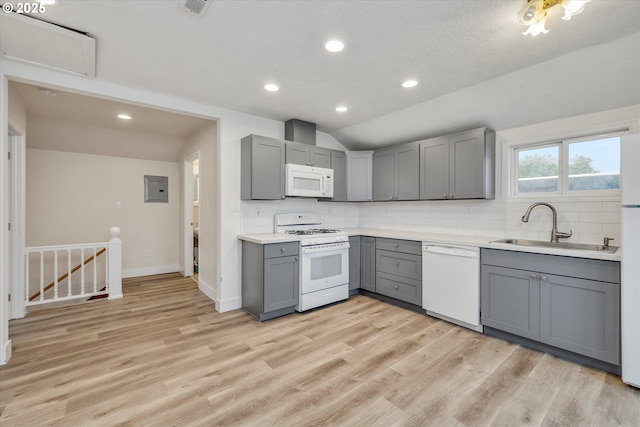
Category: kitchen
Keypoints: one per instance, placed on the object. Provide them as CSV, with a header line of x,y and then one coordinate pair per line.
x,y
594,220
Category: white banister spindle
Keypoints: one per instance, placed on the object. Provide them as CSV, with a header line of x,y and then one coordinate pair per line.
x,y
55,274
41,275
82,271
95,270
115,264
106,269
68,272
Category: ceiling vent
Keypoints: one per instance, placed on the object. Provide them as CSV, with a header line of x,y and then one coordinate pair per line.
x,y
195,6
33,41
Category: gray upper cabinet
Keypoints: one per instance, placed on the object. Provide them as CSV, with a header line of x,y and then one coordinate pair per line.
x,y
262,168
359,176
396,173
309,155
339,166
459,166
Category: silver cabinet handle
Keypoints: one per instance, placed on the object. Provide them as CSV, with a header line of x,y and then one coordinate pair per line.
x,y
296,258
544,278
391,198
534,275
451,196
282,249
396,245
397,263
282,197
444,196
396,287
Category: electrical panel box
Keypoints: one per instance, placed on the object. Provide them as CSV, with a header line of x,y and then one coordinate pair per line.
x,y
156,189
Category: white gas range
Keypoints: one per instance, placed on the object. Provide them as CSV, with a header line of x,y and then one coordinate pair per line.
x,y
324,266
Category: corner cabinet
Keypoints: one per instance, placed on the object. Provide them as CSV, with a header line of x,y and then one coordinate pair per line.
x,y
459,166
262,168
270,279
359,176
571,304
396,173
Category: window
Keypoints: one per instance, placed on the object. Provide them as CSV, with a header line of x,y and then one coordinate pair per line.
x,y
576,167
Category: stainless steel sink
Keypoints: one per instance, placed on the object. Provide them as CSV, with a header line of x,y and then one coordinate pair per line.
x,y
559,245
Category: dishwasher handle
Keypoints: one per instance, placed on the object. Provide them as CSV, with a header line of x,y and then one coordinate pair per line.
x,y
452,251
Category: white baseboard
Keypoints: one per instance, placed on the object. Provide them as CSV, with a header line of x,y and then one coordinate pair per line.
x,y
5,353
229,304
208,290
149,271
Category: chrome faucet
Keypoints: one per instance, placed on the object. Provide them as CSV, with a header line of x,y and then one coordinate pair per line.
x,y
555,234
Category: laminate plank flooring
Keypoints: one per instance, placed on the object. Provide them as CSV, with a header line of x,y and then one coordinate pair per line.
x,y
162,356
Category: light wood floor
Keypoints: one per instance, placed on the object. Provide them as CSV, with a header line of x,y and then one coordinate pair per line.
x,y
162,356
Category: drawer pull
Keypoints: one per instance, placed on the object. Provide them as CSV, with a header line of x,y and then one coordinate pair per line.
x,y
397,263
282,250
534,276
396,287
397,245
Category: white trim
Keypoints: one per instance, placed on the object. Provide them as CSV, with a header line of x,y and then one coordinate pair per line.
x,y
187,195
223,305
5,352
150,271
17,237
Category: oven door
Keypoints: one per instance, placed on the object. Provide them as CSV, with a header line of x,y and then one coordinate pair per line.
x,y
324,266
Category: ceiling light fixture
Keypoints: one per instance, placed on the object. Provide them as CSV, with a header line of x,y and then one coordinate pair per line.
x,y
341,109
271,87
124,116
534,13
47,92
409,83
334,46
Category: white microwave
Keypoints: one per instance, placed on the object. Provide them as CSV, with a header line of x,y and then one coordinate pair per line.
x,y
308,181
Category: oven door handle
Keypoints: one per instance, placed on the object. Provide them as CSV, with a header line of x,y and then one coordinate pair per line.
x,y
331,247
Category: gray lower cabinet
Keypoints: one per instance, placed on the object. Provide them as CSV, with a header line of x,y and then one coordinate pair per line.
x,y
262,168
396,173
354,264
399,269
572,304
270,279
458,166
309,155
368,263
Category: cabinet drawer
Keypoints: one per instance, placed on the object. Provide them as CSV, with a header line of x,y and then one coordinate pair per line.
x,y
275,250
399,264
396,245
400,288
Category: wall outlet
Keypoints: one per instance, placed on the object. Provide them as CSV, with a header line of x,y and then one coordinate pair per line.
x,y
147,252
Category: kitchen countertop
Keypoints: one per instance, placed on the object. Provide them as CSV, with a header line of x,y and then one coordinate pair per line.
x,y
452,239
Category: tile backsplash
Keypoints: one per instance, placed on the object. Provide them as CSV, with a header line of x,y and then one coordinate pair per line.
x,y
590,221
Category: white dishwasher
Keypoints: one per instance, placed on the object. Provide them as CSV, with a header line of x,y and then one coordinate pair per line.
x,y
451,283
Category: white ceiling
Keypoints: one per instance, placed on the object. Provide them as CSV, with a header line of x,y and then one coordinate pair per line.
x,y
473,65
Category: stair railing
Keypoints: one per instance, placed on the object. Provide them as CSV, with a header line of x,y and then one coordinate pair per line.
x,y
99,275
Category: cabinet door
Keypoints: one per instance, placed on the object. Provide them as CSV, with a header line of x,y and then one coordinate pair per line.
x,y
384,174
407,169
359,176
267,169
297,154
280,282
434,168
467,165
511,301
320,157
582,316
339,166
354,262
368,263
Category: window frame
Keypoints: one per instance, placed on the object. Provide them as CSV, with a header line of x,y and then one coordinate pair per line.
x,y
563,171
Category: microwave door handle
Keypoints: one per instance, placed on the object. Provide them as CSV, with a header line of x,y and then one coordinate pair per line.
x,y
322,189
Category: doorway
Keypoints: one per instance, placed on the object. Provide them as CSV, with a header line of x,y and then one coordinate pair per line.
x,y
191,191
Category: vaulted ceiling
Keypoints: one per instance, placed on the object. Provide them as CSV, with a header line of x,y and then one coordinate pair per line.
x,y
473,65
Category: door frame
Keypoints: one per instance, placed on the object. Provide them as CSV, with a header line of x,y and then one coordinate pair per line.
x,y
16,210
188,219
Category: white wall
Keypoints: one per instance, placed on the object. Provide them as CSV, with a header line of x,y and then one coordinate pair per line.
x,y
205,142
71,198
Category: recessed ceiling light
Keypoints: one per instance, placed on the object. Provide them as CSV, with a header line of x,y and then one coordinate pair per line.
x,y
124,116
409,83
271,87
341,109
334,45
